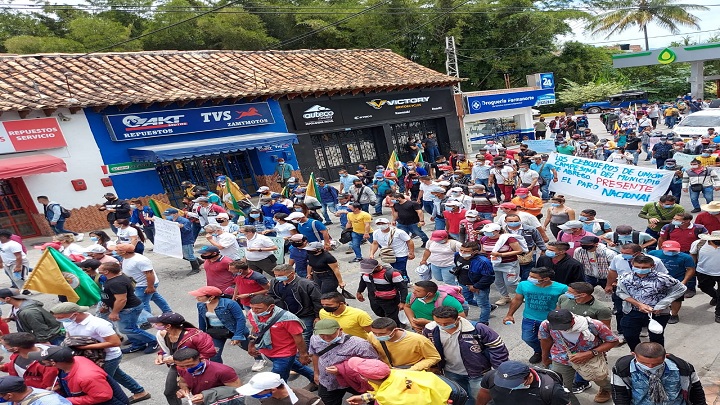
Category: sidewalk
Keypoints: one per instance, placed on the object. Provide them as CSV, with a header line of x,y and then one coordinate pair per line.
x,y
710,378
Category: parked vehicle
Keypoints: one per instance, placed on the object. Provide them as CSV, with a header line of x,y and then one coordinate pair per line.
x,y
626,99
698,123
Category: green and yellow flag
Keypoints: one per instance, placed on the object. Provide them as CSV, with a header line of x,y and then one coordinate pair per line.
x,y
159,207
56,274
233,196
312,188
419,158
391,162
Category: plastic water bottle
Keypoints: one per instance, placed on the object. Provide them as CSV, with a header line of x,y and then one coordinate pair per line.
x,y
509,322
17,275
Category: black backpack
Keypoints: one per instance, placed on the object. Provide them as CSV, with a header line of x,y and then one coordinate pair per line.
x,y
548,379
635,235
458,396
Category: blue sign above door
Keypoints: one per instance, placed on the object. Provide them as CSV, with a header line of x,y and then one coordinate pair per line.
x,y
126,127
507,101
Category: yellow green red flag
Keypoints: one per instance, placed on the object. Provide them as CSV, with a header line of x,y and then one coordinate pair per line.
x,y
312,188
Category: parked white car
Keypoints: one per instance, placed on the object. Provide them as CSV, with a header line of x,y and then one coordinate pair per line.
x,y
698,123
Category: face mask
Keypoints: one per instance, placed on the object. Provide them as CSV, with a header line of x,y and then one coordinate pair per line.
x,y
281,162
281,278
489,234
159,327
67,320
416,181
676,223
266,313
298,209
383,338
300,195
331,309
669,165
448,327
424,299
514,224
668,206
694,166
670,253
471,219
523,196
297,244
94,238
582,218
197,370
466,255
256,215
554,204
358,185
383,227
651,370
550,253
570,296
640,271
703,155
336,340
626,256
533,281
394,201
133,206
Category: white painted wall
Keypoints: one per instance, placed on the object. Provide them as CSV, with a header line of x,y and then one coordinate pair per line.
x,y
82,157
523,118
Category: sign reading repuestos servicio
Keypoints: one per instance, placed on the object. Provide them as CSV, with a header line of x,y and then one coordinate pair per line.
x,y
125,127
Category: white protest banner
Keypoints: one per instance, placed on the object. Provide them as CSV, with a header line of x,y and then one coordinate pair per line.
x,y
279,253
608,182
167,238
541,146
683,159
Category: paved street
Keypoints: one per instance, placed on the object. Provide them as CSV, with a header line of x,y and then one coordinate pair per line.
x,y
691,339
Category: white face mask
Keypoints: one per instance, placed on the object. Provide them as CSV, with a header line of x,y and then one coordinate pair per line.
x,y
384,227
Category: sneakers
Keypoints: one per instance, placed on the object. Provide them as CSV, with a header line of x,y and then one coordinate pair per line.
x,y
311,387
191,272
713,302
717,319
258,365
493,307
580,387
690,293
79,237
132,349
355,260
145,326
602,396
673,319
536,358
503,300
695,210
151,348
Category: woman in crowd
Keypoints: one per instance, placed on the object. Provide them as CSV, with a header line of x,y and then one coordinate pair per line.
x,y
221,318
439,255
557,214
128,233
502,249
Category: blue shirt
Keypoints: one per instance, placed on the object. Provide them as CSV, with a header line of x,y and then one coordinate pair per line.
x,y
52,399
312,235
347,181
186,233
300,258
546,171
274,209
539,301
676,265
383,185
137,217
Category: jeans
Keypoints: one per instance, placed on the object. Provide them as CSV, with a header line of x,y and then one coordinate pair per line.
x,y
433,153
482,297
617,310
357,239
633,323
695,196
676,190
525,268
219,347
154,297
112,367
489,190
707,285
113,228
283,365
530,329
443,274
646,149
636,156
428,206
128,325
188,252
365,207
401,266
334,397
660,162
594,281
343,221
379,203
439,224
470,385
544,189
413,229
59,227
506,275
325,207
196,228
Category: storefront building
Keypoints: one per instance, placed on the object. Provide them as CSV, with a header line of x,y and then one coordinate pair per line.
x,y
341,132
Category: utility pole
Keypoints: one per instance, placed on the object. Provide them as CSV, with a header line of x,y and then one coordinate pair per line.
x,y
451,63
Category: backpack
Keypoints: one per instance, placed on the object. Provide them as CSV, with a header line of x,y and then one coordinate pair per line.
x,y
458,395
97,356
635,235
442,292
64,212
548,379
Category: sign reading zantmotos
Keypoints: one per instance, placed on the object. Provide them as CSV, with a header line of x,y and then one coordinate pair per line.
x,y
357,110
33,134
125,127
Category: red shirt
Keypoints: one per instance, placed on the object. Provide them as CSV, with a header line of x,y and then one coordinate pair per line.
x,y
281,334
215,375
217,273
685,237
89,381
709,221
453,220
251,283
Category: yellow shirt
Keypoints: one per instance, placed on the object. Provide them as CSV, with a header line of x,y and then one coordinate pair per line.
x,y
413,348
351,320
465,166
426,389
707,161
358,221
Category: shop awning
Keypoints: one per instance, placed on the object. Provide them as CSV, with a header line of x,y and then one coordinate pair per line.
x,y
180,150
30,164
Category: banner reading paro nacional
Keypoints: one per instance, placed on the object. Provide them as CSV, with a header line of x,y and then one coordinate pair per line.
x,y
608,182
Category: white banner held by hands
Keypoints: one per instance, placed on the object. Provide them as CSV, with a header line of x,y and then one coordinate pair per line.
x,y
167,238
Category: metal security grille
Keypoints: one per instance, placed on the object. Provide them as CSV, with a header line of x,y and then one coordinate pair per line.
x,y
12,214
402,132
342,150
202,170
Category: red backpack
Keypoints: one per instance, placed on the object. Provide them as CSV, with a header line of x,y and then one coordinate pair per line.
x,y
443,291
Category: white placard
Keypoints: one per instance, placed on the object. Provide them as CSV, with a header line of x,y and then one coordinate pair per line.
x,y
167,238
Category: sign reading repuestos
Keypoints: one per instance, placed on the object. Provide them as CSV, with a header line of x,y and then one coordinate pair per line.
x,y
507,101
35,134
125,127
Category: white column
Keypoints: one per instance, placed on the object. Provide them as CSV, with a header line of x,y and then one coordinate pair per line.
x,y
697,77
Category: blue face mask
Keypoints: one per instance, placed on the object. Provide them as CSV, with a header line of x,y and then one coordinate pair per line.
x,y
489,234
533,281
550,253
554,204
670,253
197,370
416,181
94,238
262,396
668,206
521,387
570,296
582,218
298,209
254,215
640,271
336,340
626,256
266,313
448,327
281,278
514,224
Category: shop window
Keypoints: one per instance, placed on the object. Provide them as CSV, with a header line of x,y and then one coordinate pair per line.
x,y
12,214
201,171
503,130
341,150
402,132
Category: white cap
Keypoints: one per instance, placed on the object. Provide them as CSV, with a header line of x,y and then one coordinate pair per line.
x,y
460,189
223,215
263,188
265,381
453,203
95,249
444,183
471,213
295,215
490,228
382,221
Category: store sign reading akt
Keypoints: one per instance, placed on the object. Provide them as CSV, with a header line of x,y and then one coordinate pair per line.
x,y
31,134
124,127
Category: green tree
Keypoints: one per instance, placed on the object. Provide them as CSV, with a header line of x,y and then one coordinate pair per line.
x,y
575,94
185,36
233,28
624,14
100,34
15,24
28,44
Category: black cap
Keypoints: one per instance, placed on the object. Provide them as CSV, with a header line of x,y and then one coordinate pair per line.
x,y
12,383
588,240
170,318
511,374
11,293
560,319
55,353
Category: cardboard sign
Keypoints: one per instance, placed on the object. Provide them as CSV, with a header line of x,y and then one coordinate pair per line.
x,y
35,134
167,238
541,146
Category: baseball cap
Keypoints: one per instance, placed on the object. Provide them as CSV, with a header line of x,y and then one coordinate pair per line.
x,y
671,245
223,215
492,227
453,203
95,249
457,189
471,213
207,290
298,237
368,264
295,215
11,293
221,178
522,190
68,308
571,225
382,221
314,246
326,327
260,382
201,199
300,190
11,383
438,235
511,374
263,189
109,195
437,190
560,319
508,205
55,353
589,239
170,318
208,249
170,211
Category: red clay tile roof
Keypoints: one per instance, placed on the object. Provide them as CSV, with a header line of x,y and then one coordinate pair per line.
x,y
68,80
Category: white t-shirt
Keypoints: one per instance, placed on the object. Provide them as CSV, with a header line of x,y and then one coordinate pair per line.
x,y
136,267
97,328
708,258
230,247
621,265
283,230
72,249
125,235
501,174
399,242
425,188
8,251
443,254
257,242
528,176
525,218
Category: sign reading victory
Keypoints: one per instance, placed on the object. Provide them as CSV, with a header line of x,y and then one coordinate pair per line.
x,y
125,127
608,182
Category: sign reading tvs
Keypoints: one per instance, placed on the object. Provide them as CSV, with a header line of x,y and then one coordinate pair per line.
x,y
125,127
31,134
351,111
